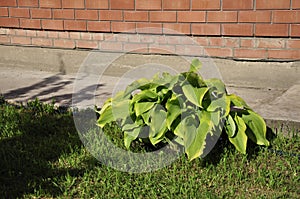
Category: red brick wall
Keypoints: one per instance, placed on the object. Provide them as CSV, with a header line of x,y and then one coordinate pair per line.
x,y
250,29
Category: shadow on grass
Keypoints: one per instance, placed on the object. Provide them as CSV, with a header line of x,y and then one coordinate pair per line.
x,y
37,140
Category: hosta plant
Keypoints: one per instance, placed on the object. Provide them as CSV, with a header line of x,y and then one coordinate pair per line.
x,y
184,108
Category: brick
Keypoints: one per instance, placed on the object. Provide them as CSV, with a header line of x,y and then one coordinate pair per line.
x,y
295,30
206,5
64,43
274,4
30,23
188,16
73,4
177,28
63,14
250,53
145,38
21,40
4,39
98,36
218,52
134,38
286,16
109,36
254,16
188,41
206,29
41,13
96,4
237,29
190,50
203,41
216,41
111,46
44,33
226,16
250,43
162,49
284,54
270,43
111,15
41,42
63,35
238,5
135,47
160,39
75,25
231,42
136,16
124,37
293,43
51,34
31,33
149,28
53,24
3,31
98,26
174,40
176,5
148,5
123,27
4,3
122,5
296,4
74,35
166,16
11,32
19,12
87,44
20,32
87,14
28,3
3,12
51,4
281,30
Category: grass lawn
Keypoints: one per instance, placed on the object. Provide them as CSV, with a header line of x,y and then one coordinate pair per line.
x,y
41,156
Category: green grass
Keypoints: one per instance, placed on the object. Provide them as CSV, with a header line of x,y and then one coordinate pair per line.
x,y
41,156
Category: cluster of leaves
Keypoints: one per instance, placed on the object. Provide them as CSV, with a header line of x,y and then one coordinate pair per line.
x,y
184,108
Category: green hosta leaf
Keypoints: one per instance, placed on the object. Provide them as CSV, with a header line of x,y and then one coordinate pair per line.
x,y
240,139
158,124
179,140
257,128
238,102
195,65
142,107
146,117
120,109
230,126
196,139
106,116
216,83
147,95
192,78
136,85
129,126
131,135
222,103
194,95
215,117
173,110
